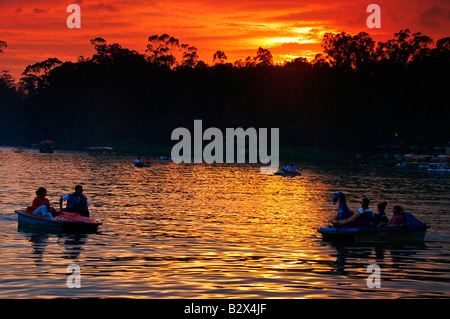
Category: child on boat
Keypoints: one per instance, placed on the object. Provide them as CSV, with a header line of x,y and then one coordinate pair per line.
x,y
381,217
398,219
41,205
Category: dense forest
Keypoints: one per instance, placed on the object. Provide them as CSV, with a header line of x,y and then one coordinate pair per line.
x,y
356,95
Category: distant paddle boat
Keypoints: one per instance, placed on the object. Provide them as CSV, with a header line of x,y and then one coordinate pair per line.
x,y
46,147
101,151
284,173
165,159
142,163
438,167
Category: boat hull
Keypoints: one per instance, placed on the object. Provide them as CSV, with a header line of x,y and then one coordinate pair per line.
x,y
163,160
283,173
142,164
374,235
62,223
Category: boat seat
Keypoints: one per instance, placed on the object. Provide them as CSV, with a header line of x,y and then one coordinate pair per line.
x,y
410,220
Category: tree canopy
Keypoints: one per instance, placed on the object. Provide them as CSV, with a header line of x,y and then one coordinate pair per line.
x,y
355,95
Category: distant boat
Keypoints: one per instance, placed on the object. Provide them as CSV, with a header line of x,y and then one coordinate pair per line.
x,y
165,159
46,147
438,167
101,151
18,150
414,160
143,163
284,173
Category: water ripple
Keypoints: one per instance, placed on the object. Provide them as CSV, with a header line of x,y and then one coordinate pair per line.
x,y
214,231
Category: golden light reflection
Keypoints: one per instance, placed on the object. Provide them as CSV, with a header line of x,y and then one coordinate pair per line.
x,y
184,231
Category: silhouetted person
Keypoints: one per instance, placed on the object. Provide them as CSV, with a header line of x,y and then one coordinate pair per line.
x,y
76,202
398,219
41,205
381,216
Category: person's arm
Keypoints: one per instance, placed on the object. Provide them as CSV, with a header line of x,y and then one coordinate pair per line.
x,y
384,220
345,221
334,217
63,198
33,204
49,207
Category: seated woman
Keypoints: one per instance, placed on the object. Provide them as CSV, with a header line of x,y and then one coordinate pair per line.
x,y
41,205
381,217
398,219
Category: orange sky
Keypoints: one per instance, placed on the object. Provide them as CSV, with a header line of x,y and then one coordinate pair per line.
x,y
36,29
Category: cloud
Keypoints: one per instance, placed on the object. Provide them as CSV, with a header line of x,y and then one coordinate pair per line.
x,y
39,10
101,6
311,15
431,16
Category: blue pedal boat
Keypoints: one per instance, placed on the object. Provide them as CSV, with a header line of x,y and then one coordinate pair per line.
x,y
414,230
284,173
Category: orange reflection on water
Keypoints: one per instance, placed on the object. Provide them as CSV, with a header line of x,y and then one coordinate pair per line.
x,y
186,231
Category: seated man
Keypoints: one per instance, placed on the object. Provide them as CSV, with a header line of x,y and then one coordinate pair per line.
x,y
363,217
366,215
381,217
76,202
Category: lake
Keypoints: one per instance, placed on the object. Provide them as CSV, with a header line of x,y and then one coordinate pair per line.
x,y
216,231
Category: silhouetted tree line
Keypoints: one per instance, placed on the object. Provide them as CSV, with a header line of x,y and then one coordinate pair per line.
x,y
354,96
11,101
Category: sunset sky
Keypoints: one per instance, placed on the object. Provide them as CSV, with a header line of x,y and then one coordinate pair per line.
x,y
36,29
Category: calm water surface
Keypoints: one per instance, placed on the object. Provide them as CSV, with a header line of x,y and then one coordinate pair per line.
x,y
205,231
